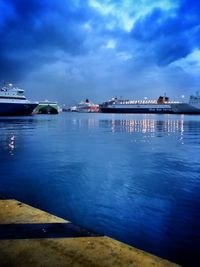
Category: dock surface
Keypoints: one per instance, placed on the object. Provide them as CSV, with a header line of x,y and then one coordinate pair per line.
x,y
32,237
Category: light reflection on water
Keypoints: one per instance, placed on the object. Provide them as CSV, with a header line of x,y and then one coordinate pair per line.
x,y
132,177
147,126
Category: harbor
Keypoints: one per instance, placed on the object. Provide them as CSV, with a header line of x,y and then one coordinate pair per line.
x,y
135,117
102,172
13,103
99,133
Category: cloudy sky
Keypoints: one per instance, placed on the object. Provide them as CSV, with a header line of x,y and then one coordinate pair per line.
x,y
69,50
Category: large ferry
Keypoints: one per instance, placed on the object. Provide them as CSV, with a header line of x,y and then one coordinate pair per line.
x,y
162,105
13,102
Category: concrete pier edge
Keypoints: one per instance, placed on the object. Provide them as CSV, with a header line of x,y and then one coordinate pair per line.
x,y
42,239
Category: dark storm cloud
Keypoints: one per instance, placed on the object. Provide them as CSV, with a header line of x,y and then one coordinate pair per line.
x,y
169,37
87,47
31,31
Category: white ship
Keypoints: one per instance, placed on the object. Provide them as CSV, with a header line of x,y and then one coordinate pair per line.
x,y
13,102
162,105
85,106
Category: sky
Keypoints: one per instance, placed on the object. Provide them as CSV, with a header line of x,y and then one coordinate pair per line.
x,y
70,50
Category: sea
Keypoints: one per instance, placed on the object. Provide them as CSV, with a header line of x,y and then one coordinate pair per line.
x,y
132,177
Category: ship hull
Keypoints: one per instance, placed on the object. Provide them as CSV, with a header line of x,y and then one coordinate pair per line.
x,y
136,110
184,108
17,109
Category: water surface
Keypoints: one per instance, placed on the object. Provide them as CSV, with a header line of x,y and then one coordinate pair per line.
x,y
132,177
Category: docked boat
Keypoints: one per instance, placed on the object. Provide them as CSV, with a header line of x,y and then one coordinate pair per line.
x,y
162,105
85,106
47,107
192,107
13,102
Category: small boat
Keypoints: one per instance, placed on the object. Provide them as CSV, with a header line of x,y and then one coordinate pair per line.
x,y
13,102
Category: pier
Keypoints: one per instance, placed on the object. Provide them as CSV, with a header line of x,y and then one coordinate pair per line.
x,y
32,237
